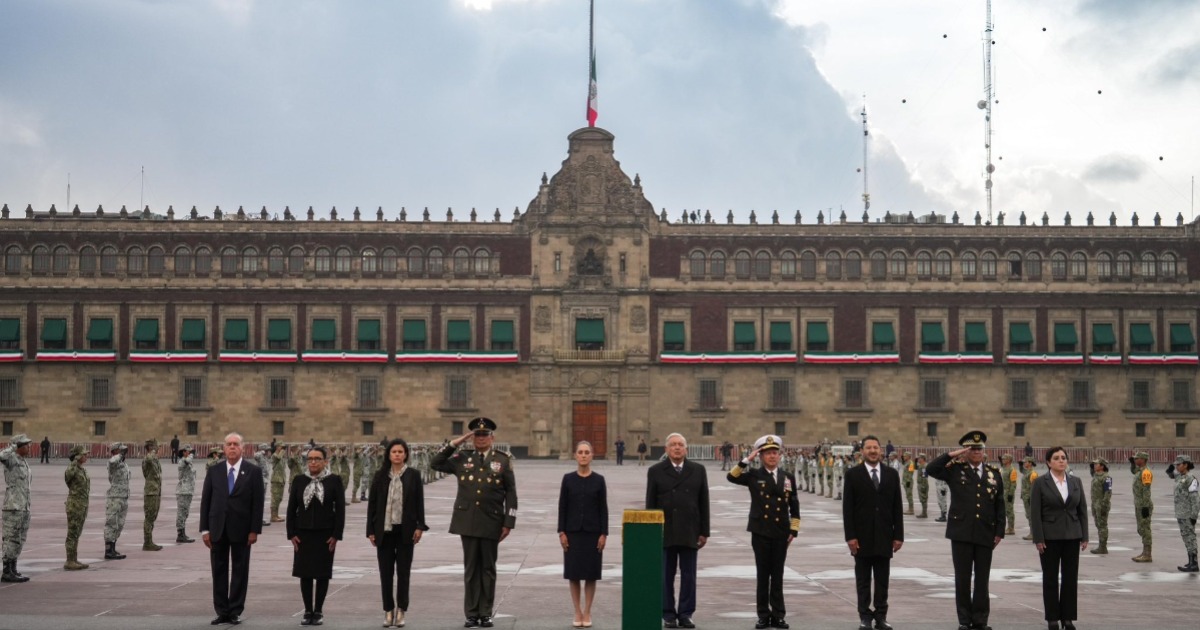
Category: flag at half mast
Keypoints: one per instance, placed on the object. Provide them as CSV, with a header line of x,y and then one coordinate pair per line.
x,y
592,105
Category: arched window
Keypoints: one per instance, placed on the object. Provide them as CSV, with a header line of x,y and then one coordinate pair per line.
x,y
970,265
878,266
436,264
12,260
341,260
762,265
1149,266
1124,266
1033,264
787,265
135,260
741,265
229,260
716,264
696,265
368,261
1058,266
183,261
87,260
203,260
156,260
108,259
275,260
941,265
295,262
1079,266
41,260
462,260
1104,266
416,261
853,265
62,260
924,265
808,265
483,262
898,265
833,265
1167,266
387,260
250,260
323,260
1016,265
987,265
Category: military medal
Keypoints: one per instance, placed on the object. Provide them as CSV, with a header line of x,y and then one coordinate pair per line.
x,y
497,466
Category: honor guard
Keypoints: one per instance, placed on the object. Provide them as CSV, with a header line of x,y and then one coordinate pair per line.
x,y
279,477
1009,475
116,501
1027,479
79,485
16,503
922,485
1143,503
1101,501
1187,508
906,480
185,487
151,493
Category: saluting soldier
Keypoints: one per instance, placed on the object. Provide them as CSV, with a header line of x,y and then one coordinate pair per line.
x,y
1009,475
1187,508
1101,501
16,504
369,468
1028,477
152,493
79,486
185,487
839,472
343,464
774,523
485,511
922,477
116,501
976,524
296,458
262,459
1143,503
942,490
906,479
279,478
360,459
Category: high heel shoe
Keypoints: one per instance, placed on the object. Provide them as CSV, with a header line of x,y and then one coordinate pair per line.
x,y
387,619
398,619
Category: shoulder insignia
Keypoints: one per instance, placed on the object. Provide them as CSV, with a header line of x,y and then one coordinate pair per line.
x,y
1012,476
1147,476
1032,475
795,525
736,472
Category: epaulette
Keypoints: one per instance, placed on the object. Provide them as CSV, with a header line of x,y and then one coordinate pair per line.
x,y
993,467
504,453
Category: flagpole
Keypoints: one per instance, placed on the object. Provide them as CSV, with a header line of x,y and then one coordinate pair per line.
x,y
592,112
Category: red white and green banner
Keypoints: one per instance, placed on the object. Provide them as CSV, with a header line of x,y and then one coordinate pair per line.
x,y
593,107
168,356
1164,359
10,356
452,356
261,356
958,358
853,358
727,357
1105,359
1044,359
344,356
77,356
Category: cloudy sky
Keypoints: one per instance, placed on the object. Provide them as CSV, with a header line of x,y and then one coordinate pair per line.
x,y
718,104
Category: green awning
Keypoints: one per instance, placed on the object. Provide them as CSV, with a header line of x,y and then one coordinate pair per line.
x,y
882,333
502,331
931,333
1019,333
279,330
193,331
1140,335
818,332
368,330
458,331
100,329
146,330
589,331
324,331
673,332
54,330
1102,335
237,330
743,332
781,332
1064,335
976,334
10,330
1181,335
414,330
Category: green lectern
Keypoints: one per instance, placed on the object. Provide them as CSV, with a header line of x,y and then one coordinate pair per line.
x,y
642,574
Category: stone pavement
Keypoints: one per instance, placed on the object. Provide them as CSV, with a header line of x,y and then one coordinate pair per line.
x,y
172,588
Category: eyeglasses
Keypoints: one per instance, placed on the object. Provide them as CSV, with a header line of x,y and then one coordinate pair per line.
x,y
316,459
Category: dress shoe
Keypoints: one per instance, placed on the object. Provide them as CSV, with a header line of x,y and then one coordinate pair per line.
x,y
1068,625
472,622
686,622
218,621
233,620
882,624
864,622
307,620
484,622
763,622
778,622
1052,625
318,619
670,623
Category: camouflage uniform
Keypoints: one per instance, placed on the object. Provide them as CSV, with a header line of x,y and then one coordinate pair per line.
x,y
1143,506
368,469
942,490
343,464
1009,476
1101,503
907,480
184,489
116,501
922,486
262,459
152,473
1027,480
1187,508
278,480
79,486
839,469
16,506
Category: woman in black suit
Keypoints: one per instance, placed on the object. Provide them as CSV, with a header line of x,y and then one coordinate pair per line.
x,y
395,522
583,531
1059,519
316,516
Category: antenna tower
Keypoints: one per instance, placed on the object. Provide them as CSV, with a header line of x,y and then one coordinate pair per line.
x,y
989,96
866,196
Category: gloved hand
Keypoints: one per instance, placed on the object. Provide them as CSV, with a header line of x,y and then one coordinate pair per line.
x,y
1145,512
1193,522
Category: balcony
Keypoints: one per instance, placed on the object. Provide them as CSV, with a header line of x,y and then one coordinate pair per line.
x,y
589,356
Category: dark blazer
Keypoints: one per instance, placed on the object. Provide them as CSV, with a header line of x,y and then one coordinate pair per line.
x,y
414,504
976,505
683,498
329,514
874,517
774,510
583,504
232,514
1050,518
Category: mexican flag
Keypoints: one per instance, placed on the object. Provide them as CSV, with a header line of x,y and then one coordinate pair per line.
x,y
592,106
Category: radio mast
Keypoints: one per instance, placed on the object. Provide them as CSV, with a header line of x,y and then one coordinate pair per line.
x,y
866,195
989,97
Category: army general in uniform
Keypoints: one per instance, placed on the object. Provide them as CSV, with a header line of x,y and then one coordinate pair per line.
x,y
79,486
16,503
773,525
975,527
485,511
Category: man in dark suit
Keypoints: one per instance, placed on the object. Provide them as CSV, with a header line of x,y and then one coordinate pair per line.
x,y
773,525
231,507
679,487
975,526
485,511
873,519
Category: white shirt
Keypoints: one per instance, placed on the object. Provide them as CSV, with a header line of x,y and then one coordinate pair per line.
x,y
1062,485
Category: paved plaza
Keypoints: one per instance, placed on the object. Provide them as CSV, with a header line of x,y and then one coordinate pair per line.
x,y
172,588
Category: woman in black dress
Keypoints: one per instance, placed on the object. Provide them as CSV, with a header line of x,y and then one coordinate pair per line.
x,y
583,531
316,516
395,521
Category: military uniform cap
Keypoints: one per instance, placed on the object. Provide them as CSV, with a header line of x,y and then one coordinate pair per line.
x,y
151,443
262,446
1142,455
768,442
1006,456
482,424
921,456
1029,460
1185,459
186,447
1101,461
117,446
973,439
21,439
76,451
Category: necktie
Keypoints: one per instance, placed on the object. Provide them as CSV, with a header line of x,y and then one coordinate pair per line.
x,y
232,479
679,469
979,473
875,477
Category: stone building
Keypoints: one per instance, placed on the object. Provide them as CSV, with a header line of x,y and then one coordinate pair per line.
x,y
591,315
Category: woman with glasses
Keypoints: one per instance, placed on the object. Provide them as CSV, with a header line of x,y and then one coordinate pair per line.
x,y
395,522
316,516
1059,520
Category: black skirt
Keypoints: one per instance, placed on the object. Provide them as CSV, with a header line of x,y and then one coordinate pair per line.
x,y
581,560
313,559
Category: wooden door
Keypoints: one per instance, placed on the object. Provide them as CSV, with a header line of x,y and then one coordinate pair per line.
x,y
590,422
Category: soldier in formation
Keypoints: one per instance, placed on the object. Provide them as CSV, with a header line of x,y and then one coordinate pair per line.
x,y
296,459
942,490
184,489
839,472
1101,502
16,504
116,501
1187,508
1027,480
79,486
279,478
1009,476
262,459
1143,503
906,480
152,491
369,466
922,485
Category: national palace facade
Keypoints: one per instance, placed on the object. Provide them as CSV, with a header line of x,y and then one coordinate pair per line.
x,y
591,315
